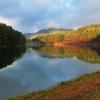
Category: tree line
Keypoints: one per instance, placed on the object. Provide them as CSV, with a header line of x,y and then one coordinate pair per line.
x,y
10,37
84,34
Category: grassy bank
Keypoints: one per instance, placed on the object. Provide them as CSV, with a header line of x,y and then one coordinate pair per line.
x,y
86,87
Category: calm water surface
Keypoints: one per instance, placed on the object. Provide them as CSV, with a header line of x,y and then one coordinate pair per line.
x,y
38,68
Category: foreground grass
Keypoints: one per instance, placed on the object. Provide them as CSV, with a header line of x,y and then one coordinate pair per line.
x,y
86,87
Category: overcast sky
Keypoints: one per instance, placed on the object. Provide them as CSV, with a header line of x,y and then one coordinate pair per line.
x,y
33,15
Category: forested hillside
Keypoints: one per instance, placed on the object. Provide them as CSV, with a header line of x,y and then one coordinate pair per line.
x,y
10,37
82,35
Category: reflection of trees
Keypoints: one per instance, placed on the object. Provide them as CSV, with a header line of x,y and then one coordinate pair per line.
x,y
8,55
88,54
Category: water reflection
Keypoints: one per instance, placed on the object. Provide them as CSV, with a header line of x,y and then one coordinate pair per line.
x,y
88,54
41,68
9,55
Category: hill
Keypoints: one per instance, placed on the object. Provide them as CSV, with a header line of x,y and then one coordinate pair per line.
x,y
49,30
10,37
82,35
29,36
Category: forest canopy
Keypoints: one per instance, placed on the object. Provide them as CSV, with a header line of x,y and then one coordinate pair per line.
x,y
10,37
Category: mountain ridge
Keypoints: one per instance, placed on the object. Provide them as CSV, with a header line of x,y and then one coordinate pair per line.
x,y
61,37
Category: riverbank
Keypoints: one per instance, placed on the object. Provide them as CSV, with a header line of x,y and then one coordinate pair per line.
x,y
86,87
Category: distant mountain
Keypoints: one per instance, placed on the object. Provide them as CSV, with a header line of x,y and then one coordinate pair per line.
x,y
27,35
60,37
45,31
84,35
49,30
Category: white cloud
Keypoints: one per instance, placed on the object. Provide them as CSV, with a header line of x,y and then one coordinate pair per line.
x,y
34,29
10,21
51,23
37,14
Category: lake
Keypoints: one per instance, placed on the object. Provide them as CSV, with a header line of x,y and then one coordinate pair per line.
x,y
24,70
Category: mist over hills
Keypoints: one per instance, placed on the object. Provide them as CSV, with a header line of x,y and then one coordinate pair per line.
x,y
46,31
85,34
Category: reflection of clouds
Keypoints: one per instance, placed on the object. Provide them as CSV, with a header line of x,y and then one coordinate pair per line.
x,y
25,75
9,67
33,72
53,61
64,69
74,57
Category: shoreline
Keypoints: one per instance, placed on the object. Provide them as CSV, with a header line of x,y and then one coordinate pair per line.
x,y
86,87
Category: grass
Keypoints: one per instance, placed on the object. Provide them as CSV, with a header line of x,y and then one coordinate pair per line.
x,y
86,87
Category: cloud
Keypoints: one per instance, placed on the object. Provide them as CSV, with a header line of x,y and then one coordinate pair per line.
x,y
51,23
32,15
10,21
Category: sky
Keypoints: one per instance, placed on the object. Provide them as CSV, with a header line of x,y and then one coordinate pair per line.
x,y
32,15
